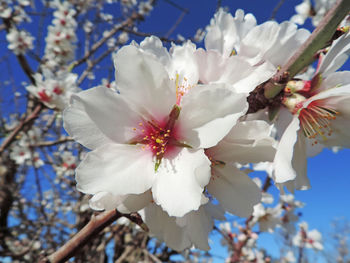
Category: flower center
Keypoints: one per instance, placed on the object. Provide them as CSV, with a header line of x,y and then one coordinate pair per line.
x,y
161,138
316,119
155,136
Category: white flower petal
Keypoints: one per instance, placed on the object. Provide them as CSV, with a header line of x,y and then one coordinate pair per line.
x,y
179,183
236,192
116,168
289,39
107,111
134,203
225,32
208,114
154,45
199,225
247,142
79,125
336,55
184,63
105,201
165,228
234,70
143,80
283,170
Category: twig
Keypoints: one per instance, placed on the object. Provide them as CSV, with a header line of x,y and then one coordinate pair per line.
x,y
99,43
275,10
21,59
266,94
305,54
125,254
95,226
29,119
178,21
52,143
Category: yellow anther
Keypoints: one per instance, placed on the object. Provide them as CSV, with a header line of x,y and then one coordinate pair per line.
x,y
159,141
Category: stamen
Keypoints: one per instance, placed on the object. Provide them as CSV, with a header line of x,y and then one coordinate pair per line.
x,y
315,120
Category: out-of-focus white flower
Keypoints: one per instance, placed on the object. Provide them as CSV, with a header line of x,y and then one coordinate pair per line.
x,y
268,218
54,90
123,38
88,26
20,154
19,41
309,239
316,12
145,7
68,165
289,257
5,11
303,12
61,36
225,227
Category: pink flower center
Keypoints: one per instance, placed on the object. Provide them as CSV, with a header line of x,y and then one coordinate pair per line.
x,y
310,241
43,96
57,90
160,137
156,136
315,120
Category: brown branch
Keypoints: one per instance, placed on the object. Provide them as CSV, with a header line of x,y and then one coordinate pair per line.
x,y
27,121
264,95
21,59
176,24
52,143
88,232
128,22
275,10
96,224
305,54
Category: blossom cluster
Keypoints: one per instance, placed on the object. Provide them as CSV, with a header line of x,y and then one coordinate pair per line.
x,y
54,89
172,137
19,41
60,47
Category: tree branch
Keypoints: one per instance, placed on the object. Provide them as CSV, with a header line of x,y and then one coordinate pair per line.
x,y
29,119
95,226
305,55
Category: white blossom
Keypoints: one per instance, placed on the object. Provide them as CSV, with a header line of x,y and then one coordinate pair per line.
x,y
309,239
54,90
153,134
19,41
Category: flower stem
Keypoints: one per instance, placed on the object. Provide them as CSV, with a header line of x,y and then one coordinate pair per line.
x,y
305,55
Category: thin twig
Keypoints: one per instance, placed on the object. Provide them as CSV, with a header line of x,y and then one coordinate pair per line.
x,y
99,43
51,143
29,119
88,232
178,21
275,10
305,54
